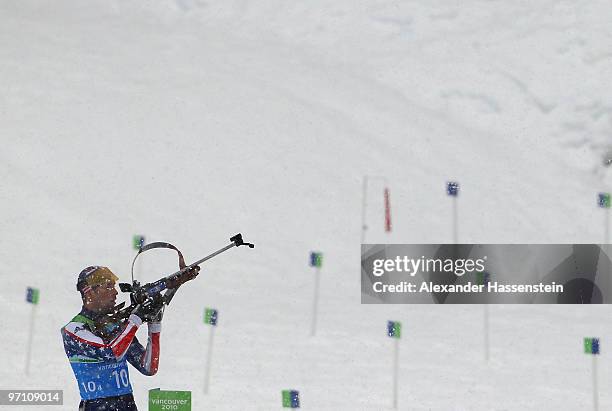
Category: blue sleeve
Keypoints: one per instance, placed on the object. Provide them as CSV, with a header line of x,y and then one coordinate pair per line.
x,y
146,360
134,356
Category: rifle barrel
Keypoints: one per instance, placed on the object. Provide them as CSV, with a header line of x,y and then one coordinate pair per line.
x,y
208,257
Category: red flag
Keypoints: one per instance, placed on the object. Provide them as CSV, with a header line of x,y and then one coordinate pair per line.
x,y
387,211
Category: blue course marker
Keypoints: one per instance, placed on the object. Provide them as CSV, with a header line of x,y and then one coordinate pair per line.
x,y
291,399
452,188
394,329
591,346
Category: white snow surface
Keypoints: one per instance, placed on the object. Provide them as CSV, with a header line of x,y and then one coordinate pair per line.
x,y
188,121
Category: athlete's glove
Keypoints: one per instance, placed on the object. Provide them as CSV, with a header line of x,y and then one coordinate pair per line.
x,y
150,309
190,274
184,277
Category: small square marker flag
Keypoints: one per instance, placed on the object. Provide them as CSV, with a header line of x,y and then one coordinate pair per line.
x,y
604,200
483,278
291,399
394,329
138,241
452,188
210,316
32,295
316,259
591,346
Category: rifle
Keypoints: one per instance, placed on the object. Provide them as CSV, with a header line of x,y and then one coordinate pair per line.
x,y
108,325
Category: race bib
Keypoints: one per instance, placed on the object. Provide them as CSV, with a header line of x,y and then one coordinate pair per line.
x,y
100,379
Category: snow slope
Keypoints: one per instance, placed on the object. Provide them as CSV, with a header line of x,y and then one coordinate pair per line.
x,y
189,121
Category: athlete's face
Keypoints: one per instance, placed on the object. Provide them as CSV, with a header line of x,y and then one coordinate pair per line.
x,y
101,298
